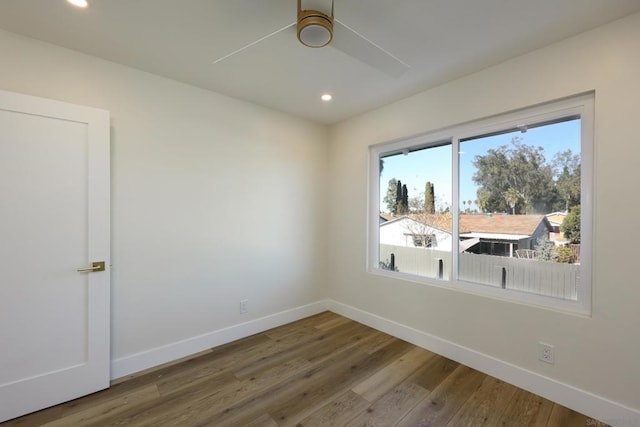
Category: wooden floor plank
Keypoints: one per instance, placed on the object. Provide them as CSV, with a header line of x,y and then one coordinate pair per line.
x,y
307,323
392,406
36,419
310,347
284,393
486,406
195,411
561,416
352,337
388,377
98,414
338,412
375,342
325,370
433,372
135,382
526,409
330,324
172,408
446,400
262,421
334,382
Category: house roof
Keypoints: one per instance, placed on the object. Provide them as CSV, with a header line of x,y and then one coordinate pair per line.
x,y
494,236
502,224
556,218
384,217
439,222
516,225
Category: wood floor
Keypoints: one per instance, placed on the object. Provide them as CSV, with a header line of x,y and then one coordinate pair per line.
x,y
325,370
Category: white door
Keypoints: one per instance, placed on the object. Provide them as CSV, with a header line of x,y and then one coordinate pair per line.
x,y
54,219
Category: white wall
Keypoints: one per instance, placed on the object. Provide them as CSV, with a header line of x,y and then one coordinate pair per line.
x,y
598,354
214,200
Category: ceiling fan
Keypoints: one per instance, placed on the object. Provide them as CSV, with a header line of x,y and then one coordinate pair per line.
x,y
316,29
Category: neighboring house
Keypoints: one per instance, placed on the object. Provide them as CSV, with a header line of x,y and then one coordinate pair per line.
x,y
556,219
493,234
384,217
410,233
503,234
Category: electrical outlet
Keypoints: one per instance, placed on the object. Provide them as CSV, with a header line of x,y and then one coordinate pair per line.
x,y
545,352
244,306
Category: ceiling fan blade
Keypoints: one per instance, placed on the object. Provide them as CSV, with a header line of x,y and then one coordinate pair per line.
x,y
253,43
356,45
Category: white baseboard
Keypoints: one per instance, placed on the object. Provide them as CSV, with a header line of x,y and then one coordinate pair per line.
x,y
157,356
579,400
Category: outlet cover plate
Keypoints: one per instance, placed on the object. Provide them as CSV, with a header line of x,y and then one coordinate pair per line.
x,y
546,352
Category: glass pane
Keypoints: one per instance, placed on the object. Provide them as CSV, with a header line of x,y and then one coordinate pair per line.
x,y
519,206
415,212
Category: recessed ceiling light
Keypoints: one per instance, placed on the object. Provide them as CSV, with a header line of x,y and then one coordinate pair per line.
x,y
79,3
326,97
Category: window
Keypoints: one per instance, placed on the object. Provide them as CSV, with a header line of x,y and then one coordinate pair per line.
x,y
500,207
424,240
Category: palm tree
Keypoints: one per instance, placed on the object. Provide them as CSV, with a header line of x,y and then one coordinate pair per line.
x,y
512,196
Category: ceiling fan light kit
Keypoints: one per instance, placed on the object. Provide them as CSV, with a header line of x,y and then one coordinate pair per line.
x,y
315,29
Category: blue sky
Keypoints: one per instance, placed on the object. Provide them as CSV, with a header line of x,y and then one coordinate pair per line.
x,y
435,164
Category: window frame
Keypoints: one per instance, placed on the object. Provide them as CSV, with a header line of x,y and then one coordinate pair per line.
x,y
581,105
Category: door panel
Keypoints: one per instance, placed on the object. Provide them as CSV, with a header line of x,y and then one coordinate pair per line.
x,y
54,187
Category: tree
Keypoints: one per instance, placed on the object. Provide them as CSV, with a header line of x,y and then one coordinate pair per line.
x,y
545,250
424,227
416,204
401,206
405,200
398,210
512,196
521,168
571,225
567,167
390,198
429,198
388,265
483,199
564,254
442,205
466,206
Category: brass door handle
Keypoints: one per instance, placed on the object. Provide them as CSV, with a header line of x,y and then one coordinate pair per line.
x,y
96,266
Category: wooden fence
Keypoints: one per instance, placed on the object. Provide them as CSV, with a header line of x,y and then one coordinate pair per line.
x,y
539,277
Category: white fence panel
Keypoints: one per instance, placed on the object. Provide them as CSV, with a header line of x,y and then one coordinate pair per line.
x,y
419,261
538,277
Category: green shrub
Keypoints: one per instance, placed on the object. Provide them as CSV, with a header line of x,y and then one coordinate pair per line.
x,y
563,254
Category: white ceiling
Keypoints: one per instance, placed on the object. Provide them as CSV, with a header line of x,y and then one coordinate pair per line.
x,y
439,39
